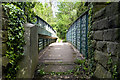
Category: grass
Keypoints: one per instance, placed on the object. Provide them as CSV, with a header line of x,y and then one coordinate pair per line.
x,y
74,53
41,72
64,40
78,61
59,40
60,62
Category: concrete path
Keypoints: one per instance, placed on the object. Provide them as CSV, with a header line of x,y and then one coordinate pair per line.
x,y
58,57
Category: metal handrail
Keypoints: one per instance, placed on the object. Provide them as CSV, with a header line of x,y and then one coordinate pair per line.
x,y
78,18
40,19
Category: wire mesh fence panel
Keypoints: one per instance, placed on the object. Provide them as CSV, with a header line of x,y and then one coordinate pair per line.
x,y
77,33
46,34
83,35
40,43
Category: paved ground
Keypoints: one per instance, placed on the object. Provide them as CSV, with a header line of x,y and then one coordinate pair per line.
x,y
58,57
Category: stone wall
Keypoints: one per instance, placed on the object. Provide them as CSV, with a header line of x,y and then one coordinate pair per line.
x,y
106,39
3,37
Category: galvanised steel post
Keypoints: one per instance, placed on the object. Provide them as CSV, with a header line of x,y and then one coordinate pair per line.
x,y
80,34
86,35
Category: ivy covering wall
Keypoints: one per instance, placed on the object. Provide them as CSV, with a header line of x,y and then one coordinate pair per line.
x,y
16,14
90,42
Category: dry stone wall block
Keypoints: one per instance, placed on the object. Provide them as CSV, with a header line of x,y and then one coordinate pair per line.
x,y
101,46
102,24
112,9
99,14
101,57
114,21
93,44
108,34
4,48
113,48
4,24
4,36
111,35
5,61
101,72
98,35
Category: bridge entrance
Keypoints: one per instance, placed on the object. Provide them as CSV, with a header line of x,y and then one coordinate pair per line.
x,y
59,58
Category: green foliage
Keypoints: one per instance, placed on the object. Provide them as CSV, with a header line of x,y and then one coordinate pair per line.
x,y
28,8
15,41
41,72
115,73
68,13
108,1
80,69
110,61
90,48
80,8
59,39
45,12
112,68
64,40
78,61
17,13
65,17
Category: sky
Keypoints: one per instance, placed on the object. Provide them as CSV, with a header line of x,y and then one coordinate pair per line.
x,y
54,8
54,5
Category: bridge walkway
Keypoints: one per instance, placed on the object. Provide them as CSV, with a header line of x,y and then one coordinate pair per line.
x,y
57,57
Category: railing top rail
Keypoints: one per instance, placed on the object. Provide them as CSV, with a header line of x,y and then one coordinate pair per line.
x,y
78,18
45,22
